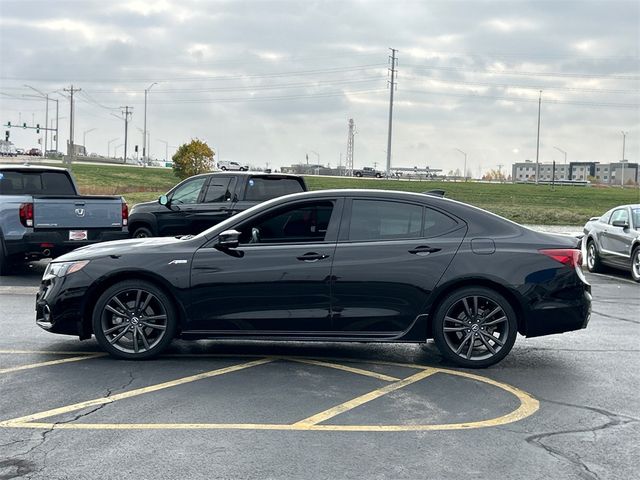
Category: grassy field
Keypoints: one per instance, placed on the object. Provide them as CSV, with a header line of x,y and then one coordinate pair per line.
x,y
529,204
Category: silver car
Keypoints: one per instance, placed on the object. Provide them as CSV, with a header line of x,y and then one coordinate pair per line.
x,y
614,240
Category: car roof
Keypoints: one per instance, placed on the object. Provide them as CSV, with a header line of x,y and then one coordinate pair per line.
x,y
26,168
249,173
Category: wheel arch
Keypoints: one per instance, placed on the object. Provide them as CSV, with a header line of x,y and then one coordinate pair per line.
x,y
99,287
509,295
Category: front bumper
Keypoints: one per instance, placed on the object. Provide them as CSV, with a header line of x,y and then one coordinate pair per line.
x,y
60,305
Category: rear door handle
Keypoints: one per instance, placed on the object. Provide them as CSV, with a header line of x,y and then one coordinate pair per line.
x,y
312,257
423,250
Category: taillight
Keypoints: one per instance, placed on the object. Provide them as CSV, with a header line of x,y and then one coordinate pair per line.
x,y
26,214
125,214
571,257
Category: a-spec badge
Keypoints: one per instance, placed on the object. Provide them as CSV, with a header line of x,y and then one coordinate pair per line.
x,y
176,262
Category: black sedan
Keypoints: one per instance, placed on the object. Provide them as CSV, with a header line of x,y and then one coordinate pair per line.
x,y
335,265
614,240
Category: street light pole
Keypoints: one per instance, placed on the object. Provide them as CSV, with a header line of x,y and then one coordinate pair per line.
x,y
144,135
465,163
84,138
109,146
624,137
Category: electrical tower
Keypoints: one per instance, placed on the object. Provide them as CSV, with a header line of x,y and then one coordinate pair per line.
x,y
71,152
350,139
126,113
392,87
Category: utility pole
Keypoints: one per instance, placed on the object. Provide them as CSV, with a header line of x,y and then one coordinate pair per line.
x,y
126,113
392,85
624,137
71,90
57,120
144,134
538,141
350,144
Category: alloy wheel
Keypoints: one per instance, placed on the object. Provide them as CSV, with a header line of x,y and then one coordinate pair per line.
x,y
591,256
476,328
635,265
134,321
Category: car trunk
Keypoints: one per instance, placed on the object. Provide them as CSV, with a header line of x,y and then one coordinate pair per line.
x,y
84,212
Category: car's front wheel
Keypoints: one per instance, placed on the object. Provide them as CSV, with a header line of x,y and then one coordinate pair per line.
x,y
594,264
635,264
475,327
134,320
142,232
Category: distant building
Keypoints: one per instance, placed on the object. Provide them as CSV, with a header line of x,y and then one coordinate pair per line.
x,y
607,173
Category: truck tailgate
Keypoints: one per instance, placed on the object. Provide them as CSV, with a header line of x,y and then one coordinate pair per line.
x,y
77,212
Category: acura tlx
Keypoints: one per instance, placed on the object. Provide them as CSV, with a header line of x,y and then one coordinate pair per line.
x,y
332,266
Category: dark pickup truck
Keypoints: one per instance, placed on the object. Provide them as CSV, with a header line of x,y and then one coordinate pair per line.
x,y
42,215
201,201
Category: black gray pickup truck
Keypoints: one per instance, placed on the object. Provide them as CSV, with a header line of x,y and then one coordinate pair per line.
x,y
42,215
201,201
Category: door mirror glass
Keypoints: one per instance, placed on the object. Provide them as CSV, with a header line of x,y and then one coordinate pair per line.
x,y
620,223
163,200
229,239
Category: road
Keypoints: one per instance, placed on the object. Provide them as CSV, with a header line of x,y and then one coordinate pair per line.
x,y
558,407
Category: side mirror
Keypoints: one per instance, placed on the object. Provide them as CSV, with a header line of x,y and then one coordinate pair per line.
x,y
163,200
620,223
229,239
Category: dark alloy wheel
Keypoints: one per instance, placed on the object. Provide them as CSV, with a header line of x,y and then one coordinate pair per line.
x,y
475,327
142,232
635,264
593,257
134,320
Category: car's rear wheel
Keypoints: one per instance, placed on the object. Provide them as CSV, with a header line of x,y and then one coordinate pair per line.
x,y
134,320
635,264
594,264
475,327
142,232
223,168
358,174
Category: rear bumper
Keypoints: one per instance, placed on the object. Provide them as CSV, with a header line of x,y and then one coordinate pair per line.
x,y
563,315
54,243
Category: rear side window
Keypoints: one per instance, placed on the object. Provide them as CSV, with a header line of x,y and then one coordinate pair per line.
x,y
437,223
35,183
266,188
220,189
382,220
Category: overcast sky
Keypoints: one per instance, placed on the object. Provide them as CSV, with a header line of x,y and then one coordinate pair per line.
x,y
268,81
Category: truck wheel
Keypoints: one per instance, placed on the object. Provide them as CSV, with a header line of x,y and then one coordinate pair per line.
x,y
358,174
142,232
134,320
378,175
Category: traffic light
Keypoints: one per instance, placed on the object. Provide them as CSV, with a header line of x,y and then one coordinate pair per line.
x,y
6,135
38,128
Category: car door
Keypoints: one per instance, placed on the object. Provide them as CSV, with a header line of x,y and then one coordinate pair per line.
x,y
179,216
618,239
389,257
277,281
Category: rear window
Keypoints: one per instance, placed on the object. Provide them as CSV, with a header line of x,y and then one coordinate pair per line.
x,y
265,188
35,183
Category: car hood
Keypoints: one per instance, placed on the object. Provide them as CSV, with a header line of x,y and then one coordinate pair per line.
x,y
118,247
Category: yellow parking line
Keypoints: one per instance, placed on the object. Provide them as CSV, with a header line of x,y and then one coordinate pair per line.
x,y
51,362
337,366
45,352
367,397
133,393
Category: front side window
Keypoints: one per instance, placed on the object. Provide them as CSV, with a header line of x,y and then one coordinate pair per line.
x,y
383,220
302,223
188,192
620,215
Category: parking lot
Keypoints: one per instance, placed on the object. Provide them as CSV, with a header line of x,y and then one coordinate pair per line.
x,y
563,406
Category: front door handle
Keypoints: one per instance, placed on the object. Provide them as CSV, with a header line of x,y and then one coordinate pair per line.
x,y
312,257
423,250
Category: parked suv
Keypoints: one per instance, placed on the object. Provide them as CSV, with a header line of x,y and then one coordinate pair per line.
x,y
229,165
42,215
204,200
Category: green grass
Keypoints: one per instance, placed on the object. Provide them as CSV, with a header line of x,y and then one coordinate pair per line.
x,y
532,204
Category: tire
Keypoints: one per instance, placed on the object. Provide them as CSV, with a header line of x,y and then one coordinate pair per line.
x,y
142,232
475,327
358,174
378,175
635,264
223,169
134,320
594,264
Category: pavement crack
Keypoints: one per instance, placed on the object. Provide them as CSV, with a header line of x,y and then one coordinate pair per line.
x,y
613,317
44,434
613,420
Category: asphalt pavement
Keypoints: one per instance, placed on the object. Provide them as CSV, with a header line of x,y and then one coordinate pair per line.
x,y
558,407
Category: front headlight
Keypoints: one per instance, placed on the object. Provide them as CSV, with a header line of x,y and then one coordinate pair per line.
x,y
60,269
